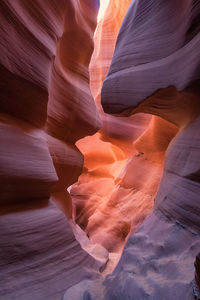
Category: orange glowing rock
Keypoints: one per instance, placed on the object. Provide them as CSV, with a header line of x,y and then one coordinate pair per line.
x,y
120,159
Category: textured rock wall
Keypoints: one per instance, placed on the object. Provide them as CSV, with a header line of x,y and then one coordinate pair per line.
x,y
158,260
122,168
155,69
45,107
168,51
104,155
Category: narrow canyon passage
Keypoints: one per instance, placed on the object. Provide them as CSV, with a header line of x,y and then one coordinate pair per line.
x,y
123,161
99,150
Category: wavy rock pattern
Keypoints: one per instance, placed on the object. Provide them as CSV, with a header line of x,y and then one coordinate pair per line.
x,y
44,87
122,168
155,69
46,107
164,46
110,198
171,234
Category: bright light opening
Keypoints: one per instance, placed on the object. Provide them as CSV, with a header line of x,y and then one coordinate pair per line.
x,y
102,10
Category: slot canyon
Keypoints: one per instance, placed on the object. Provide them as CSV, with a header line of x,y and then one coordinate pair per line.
x,y
99,149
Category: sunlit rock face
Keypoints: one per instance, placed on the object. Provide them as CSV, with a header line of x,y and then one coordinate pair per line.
x,y
155,69
123,162
139,184
46,106
104,154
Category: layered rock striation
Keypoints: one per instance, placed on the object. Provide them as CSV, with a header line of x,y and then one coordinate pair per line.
x,y
157,72
112,197
156,47
45,107
140,180
155,69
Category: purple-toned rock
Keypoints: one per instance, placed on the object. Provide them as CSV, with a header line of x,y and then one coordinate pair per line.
x,y
45,107
157,46
155,69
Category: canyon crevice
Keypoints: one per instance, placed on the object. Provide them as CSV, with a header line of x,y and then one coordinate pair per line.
x,y
100,150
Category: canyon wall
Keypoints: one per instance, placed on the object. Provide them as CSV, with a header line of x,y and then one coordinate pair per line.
x,y
134,183
155,69
123,161
45,107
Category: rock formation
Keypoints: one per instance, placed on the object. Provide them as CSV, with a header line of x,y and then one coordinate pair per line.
x,y
155,69
46,106
163,52
134,183
110,198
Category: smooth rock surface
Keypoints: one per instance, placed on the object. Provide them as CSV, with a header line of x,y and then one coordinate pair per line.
x,y
123,162
39,255
158,259
48,118
155,69
157,46
46,106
